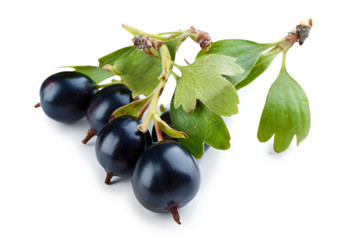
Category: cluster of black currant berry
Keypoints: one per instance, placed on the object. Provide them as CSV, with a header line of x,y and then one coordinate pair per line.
x,y
165,175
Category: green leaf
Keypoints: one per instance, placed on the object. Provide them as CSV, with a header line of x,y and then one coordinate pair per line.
x,y
169,130
139,71
114,56
260,66
203,80
286,113
201,126
131,109
131,66
246,54
97,74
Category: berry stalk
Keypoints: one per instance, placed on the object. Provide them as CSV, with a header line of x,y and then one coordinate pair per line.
x,y
90,133
199,36
153,106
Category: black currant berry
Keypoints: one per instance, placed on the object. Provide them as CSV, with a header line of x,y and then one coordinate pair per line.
x,y
119,145
166,178
65,96
103,104
165,116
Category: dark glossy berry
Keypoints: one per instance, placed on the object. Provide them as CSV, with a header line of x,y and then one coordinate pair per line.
x,y
166,178
65,96
103,104
119,145
165,116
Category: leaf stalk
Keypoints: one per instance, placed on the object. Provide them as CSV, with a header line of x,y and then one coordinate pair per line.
x,y
166,62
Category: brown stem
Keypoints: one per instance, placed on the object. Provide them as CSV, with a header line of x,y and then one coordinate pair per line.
x,y
175,214
288,41
90,133
108,177
37,105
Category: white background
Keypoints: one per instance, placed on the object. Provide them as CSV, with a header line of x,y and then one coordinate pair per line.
x,y
51,184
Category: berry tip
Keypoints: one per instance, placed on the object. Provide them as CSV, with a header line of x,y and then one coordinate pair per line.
x,y
175,214
90,133
108,177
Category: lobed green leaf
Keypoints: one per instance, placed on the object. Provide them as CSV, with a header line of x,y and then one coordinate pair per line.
x,y
286,113
203,80
131,64
201,126
139,72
